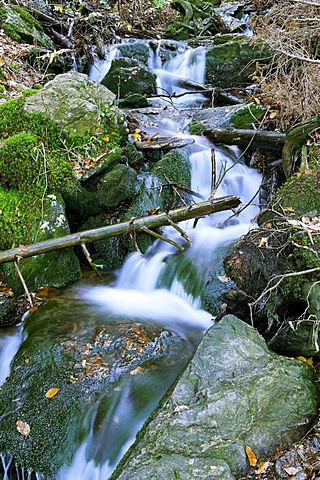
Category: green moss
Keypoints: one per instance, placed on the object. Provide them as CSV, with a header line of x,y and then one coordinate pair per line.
x,y
301,192
18,212
196,129
11,32
27,17
247,115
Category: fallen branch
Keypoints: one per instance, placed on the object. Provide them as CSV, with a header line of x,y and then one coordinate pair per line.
x,y
256,138
132,226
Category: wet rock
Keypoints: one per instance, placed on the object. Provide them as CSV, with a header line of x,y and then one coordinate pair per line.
x,y
231,60
236,116
117,186
234,392
127,77
96,363
163,143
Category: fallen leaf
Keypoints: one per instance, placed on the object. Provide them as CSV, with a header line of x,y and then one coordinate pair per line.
x,y
309,360
288,209
263,467
251,456
136,371
23,248
223,278
291,470
136,136
52,392
273,115
23,428
263,242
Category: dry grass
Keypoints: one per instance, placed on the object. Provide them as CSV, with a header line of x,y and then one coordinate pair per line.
x,y
291,81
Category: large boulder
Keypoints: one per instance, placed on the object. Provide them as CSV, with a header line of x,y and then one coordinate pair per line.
x,y
82,108
82,372
234,393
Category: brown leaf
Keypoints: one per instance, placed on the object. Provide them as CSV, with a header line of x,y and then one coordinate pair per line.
x,y
251,456
23,428
263,467
23,248
52,392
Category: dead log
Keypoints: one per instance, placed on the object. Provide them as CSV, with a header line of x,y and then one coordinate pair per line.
x,y
244,138
134,225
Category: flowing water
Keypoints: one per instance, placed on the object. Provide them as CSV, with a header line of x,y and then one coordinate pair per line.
x,y
159,287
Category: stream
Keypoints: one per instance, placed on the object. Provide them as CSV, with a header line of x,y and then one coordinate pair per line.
x,y
159,288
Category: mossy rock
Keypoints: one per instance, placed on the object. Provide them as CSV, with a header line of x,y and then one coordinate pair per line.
x,y
134,157
55,269
127,77
234,116
137,50
231,60
7,307
301,191
84,110
247,116
116,187
91,380
234,392
21,26
134,101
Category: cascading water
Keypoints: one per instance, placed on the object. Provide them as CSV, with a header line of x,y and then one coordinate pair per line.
x,y
162,287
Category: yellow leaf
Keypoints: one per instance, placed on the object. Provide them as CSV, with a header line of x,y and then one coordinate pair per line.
x,y
136,371
288,209
263,467
273,115
58,8
23,428
309,360
136,137
52,392
251,456
106,138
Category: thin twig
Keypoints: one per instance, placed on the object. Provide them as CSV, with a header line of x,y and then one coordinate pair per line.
x,y
23,282
88,257
161,237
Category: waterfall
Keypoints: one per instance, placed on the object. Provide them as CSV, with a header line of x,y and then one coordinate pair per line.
x,y
145,287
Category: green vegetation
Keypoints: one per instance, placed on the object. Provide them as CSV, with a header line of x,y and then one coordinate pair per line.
x,y
32,164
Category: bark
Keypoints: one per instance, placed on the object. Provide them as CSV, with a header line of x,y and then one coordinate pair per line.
x,y
252,138
133,225
295,139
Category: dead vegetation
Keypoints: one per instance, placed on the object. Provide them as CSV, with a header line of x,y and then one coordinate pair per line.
x,y
291,81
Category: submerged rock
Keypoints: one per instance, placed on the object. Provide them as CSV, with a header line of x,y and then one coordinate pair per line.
x,y
234,393
81,372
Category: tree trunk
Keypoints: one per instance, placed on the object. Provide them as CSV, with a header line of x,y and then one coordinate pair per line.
x,y
252,138
133,225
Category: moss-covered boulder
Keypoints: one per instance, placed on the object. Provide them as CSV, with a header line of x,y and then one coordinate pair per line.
x,y
83,374
21,26
231,60
234,393
172,167
127,77
55,269
118,186
82,109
